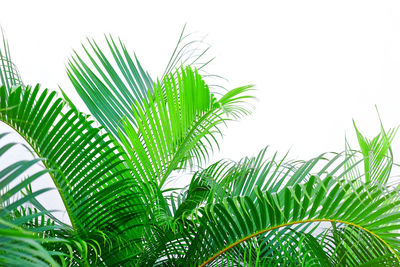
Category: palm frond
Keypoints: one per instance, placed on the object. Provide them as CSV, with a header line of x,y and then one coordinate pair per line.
x,y
9,75
377,154
108,91
348,245
178,131
227,224
21,241
279,247
189,51
111,87
268,173
86,167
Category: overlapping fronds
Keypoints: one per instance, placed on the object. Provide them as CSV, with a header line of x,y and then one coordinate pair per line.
x,y
87,169
108,91
348,245
9,75
377,155
257,212
179,130
17,243
110,88
268,173
225,225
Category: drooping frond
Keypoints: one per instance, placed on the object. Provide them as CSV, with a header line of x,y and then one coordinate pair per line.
x,y
226,225
29,234
86,167
20,241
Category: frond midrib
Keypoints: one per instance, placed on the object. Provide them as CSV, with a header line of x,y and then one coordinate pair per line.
x,y
293,223
70,215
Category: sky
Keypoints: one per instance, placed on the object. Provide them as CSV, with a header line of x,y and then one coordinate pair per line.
x,y
316,65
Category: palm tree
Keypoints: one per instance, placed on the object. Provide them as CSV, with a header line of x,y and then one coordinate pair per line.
x,y
114,178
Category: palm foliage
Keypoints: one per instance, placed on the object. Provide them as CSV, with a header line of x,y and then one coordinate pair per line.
x,y
377,154
333,210
18,244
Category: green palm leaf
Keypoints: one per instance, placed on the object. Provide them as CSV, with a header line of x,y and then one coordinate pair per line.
x,y
377,154
109,94
351,246
227,224
178,131
9,75
28,234
279,247
110,88
88,171
17,244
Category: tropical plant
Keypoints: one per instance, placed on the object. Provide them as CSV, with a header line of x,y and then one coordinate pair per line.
x,y
115,179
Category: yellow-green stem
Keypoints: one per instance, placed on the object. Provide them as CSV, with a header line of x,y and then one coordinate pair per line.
x,y
292,223
51,175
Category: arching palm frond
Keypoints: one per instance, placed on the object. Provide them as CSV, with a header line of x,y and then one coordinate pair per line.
x,y
279,247
96,186
88,172
231,179
29,234
20,242
227,224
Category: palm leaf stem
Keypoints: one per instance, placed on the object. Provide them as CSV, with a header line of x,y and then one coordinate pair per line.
x,y
293,223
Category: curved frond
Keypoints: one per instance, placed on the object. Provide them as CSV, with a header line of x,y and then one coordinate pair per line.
x,y
228,224
267,173
86,167
279,247
20,240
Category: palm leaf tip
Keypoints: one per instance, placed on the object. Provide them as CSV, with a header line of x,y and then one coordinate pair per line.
x,y
377,154
109,88
9,74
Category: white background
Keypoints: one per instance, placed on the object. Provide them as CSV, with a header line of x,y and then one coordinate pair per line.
x,y
316,64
